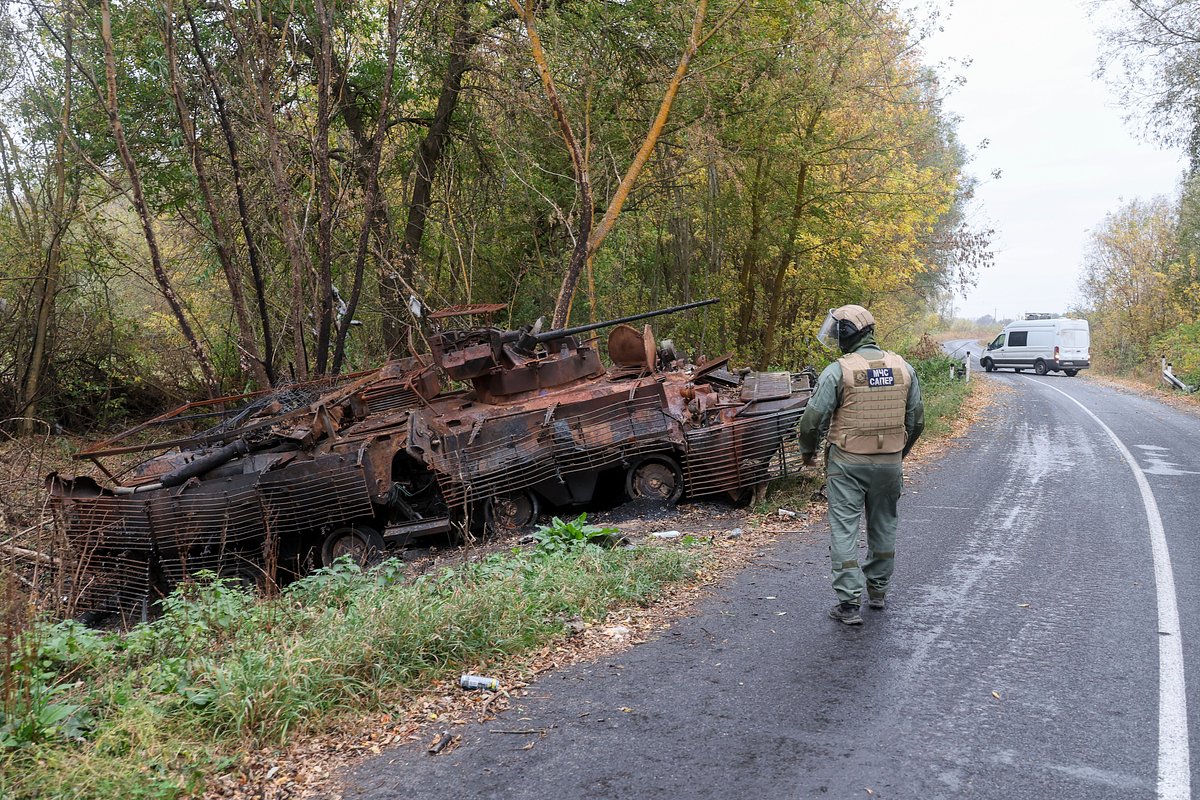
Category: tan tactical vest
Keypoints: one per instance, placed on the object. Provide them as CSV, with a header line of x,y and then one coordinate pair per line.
x,y
870,419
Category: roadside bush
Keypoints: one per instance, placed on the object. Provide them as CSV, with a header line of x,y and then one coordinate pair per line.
x,y
1181,346
941,393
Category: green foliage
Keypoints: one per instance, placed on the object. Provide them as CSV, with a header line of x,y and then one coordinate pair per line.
x,y
193,616
1181,346
935,372
217,673
38,705
826,98
941,393
1142,283
561,536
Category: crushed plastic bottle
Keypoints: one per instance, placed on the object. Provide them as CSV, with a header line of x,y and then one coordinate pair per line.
x,y
479,682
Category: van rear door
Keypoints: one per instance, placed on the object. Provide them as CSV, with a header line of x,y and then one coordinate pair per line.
x,y
1074,345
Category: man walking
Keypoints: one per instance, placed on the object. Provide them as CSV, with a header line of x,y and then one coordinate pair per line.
x,y
868,405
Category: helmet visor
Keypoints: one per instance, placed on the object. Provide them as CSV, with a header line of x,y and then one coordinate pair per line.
x,y
828,335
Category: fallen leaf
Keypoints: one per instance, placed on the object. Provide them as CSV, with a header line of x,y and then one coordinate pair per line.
x,y
1022,605
996,695
626,709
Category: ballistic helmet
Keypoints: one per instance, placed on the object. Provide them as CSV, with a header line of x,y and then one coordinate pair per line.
x,y
843,325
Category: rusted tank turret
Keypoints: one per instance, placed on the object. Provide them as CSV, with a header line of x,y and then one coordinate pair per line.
x,y
294,478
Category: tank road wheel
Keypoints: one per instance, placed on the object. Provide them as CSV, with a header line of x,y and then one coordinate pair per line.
x,y
1071,373
655,478
245,575
364,546
1039,367
510,512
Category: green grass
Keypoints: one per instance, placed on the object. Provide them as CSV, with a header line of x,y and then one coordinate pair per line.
x,y
942,395
150,713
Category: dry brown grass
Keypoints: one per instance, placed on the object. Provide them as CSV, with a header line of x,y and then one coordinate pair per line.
x,y
985,334
26,530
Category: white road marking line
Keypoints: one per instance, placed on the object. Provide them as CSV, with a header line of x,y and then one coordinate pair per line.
x,y
1174,760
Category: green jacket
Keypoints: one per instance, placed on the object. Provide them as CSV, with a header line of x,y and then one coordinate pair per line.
x,y
828,396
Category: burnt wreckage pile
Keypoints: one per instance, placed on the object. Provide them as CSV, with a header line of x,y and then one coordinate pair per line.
x,y
295,478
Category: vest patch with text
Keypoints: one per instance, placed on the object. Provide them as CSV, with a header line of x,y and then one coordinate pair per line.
x,y
881,377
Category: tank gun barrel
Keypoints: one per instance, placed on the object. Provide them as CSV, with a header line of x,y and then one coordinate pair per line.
x,y
561,332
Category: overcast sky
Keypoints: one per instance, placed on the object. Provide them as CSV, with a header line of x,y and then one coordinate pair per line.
x,y
1057,134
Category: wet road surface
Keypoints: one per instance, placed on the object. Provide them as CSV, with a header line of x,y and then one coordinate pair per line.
x,y
1020,655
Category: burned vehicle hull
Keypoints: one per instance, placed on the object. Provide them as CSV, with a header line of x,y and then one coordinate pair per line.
x,y
292,480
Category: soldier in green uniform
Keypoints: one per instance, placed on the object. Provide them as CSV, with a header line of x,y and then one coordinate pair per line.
x,y
868,406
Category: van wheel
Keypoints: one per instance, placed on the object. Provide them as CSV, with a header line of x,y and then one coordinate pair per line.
x,y
1071,373
1039,367
988,366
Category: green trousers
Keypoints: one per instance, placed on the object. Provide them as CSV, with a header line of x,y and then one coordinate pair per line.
x,y
853,489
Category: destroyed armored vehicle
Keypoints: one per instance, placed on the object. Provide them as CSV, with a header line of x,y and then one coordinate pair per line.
x,y
480,433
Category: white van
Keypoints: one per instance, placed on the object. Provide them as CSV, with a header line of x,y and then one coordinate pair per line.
x,y
1043,345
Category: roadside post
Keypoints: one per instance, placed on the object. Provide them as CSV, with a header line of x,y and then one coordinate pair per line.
x,y
1168,373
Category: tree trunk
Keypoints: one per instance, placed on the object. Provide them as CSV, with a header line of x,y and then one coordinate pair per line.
x,y
391,286
683,238
46,289
231,146
293,240
748,275
595,236
579,165
424,167
139,204
324,191
247,341
786,254
371,188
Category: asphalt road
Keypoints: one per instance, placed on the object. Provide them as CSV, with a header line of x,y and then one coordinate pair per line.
x,y
1024,652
